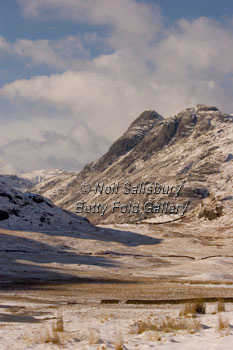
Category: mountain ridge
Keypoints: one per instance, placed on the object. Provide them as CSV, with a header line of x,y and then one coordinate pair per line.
x,y
193,148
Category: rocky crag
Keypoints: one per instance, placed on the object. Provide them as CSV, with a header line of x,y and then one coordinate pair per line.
x,y
192,150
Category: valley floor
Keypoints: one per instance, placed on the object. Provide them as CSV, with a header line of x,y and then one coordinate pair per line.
x,y
118,287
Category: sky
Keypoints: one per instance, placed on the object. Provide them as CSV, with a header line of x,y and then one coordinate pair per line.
x,y
74,74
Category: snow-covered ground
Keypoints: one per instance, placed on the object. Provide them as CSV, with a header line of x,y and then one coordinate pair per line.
x,y
74,274
25,325
32,212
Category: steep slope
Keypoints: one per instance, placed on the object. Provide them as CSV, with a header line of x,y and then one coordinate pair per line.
x,y
57,188
32,212
130,139
192,150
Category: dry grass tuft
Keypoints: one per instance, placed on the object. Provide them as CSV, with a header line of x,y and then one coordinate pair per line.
x,y
194,308
168,324
93,336
221,305
46,336
223,326
51,334
58,325
119,342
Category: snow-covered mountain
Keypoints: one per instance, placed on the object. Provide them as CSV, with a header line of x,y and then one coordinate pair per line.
x,y
25,181
32,212
39,176
193,149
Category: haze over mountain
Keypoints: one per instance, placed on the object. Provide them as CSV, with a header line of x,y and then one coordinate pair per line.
x,y
192,150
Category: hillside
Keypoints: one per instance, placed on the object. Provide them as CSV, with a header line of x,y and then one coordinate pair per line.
x,y
192,150
32,212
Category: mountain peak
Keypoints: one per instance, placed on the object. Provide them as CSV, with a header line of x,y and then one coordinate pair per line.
x,y
192,148
147,119
131,138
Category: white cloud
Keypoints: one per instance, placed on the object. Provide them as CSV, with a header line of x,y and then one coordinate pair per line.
x,y
44,143
196,46
64,53
130,22
149,68
4,45
187,66
101,98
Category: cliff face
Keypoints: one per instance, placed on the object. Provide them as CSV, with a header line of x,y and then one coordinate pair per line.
x,y
193,149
